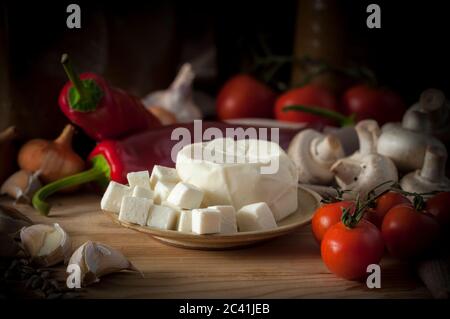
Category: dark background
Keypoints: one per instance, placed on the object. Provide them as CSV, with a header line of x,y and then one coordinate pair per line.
x,y
140,46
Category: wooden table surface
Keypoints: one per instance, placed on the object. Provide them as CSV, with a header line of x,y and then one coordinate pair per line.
x,y
286,267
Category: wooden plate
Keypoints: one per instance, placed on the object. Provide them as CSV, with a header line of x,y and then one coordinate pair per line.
x,y
308,201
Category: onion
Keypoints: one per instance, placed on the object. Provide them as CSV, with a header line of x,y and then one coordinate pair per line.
x,y
52,159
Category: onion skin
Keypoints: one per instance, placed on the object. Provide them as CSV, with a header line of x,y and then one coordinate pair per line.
x,y
54,159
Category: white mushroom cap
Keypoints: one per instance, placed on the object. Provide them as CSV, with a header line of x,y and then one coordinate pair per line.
x,y
365,169
432,175
313,154
364,174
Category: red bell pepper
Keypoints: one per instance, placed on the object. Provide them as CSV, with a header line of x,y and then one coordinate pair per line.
x,y
113,160
102,111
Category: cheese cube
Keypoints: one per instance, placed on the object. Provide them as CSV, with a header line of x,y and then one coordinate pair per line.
x,y
256,216
135,210
112,199
206,221
228,223
139,191
141,179
163,174
167,204
162,191
163,217
286,205
185,221
185,196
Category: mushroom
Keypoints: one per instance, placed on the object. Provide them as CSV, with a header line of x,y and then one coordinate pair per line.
x,y
434,114
313,154
407,142
431,177
365,170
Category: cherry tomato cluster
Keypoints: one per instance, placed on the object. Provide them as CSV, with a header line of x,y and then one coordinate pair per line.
x,y
391,222
244,96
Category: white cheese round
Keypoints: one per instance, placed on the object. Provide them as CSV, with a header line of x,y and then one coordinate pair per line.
x,y
241,172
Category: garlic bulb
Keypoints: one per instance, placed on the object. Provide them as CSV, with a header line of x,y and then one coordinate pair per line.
x,y
178,97
96,259
47,245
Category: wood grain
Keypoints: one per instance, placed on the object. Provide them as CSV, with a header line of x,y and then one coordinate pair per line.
x,y
286,267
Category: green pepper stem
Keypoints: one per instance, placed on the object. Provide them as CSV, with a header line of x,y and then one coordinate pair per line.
x,y
73,77
99,173
333,115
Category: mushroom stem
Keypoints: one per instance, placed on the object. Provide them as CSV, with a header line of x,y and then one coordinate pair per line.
x,y
326,149
346,171
368,132
433,168
416,120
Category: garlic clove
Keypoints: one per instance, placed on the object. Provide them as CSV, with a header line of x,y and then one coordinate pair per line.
x,y
21,186
177,99
96,259
47,245
11,220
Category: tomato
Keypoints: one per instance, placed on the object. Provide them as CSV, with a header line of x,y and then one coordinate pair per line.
x,y
369,102
243,96
382,205
309,95
348,251
439,207
407,232
326,216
